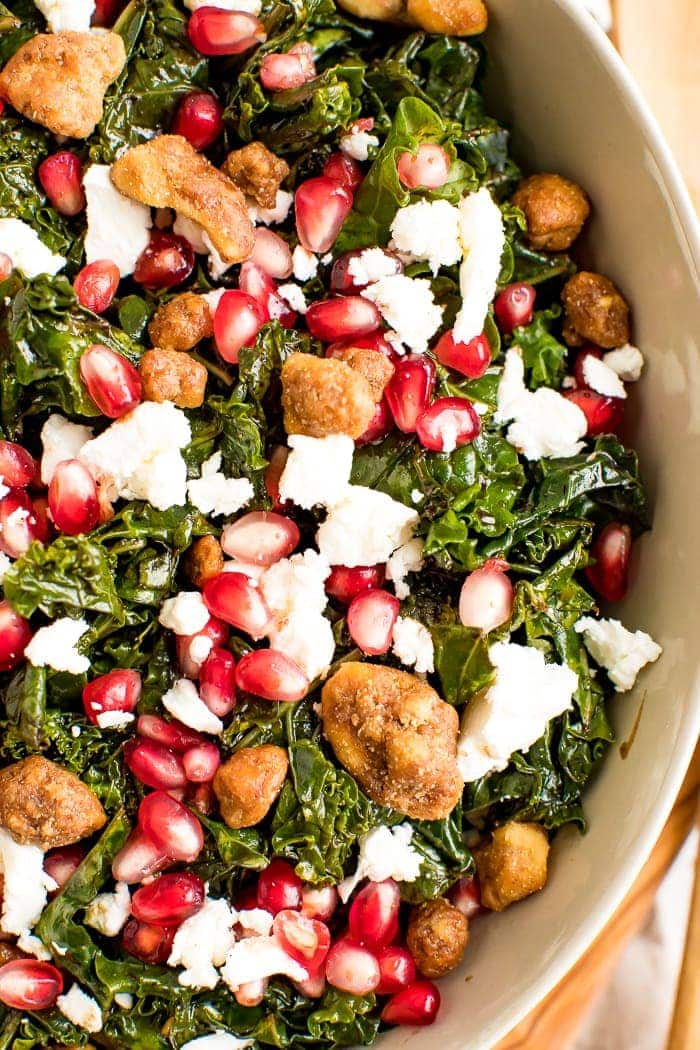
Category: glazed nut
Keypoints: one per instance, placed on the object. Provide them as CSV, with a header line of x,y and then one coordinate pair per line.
x,y
452,17
555,209
171,375
595,311
322,396
204,561
375,367
257,172
436,937
45,805
513,864
248,783
182,322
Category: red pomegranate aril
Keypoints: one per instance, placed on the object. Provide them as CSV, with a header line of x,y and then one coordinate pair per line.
x,y
416,1005
139,859
514,307
373,919
215,31
342,318
397,969
251,993
236,599
321,207
344,584
201,762
305,940
27,984
609,575
169,899
199,119
279,888
154,765
579,363
319,902
166,261
237,321
449,423
217,683
373,341
345,170
470,359
428,167
17,468
271,675
202,797
171,826
381,425
118,690
20,523
106,12
6,264
486,598
150,943
271,253
466,896
214,631
173,735
603,414
96,285
273,473
260,537
73,502
255,282
371,618
61,864
410,390
280,71
61,178
342,280
15,636
352,968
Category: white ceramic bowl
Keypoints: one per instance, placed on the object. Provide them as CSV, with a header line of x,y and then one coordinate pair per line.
x,y
574,108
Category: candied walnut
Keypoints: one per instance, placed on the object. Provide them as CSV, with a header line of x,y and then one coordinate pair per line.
x,y
596,312
171,375
257,172
45,805
182,322
59,80
436,937
396,736
10,952
167,172
204,560
512,865
453,17
321,396
555,209
375,367
248,783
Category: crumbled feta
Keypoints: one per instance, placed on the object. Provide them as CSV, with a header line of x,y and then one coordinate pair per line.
x,y
55,646
138,456
255,920
61,440
621,652
627,362
293,589
26,249
108,912
272,216
483,240
428,230
81,1009
202,943
32,945
5,564
601,378
184,703
218,1040
74,15
413,644
25,884
304,263
114,719
364,528
370,266
514,712
186,613
294,296
317,471
407,558
256,958
214,298
385,853
124,1000
357,143
250,7
544,424
118,228
199,649
407,306
213,493
202,244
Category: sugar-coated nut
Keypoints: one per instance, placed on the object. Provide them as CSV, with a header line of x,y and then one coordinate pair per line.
x,y
453,17
513,864
436,937
322,396
257,172
182,322
204,560
248,783
595,311
171,375
555,209
374,366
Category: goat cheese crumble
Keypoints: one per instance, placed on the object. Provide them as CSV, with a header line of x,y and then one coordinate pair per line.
x,y
61,440
357,143
115,719
109,912
271,216
293,295
25,884
213,493
317,471
364,528
218,1041
304,263
428,230
408,307
55,646
483,239
599,376
75,15
385,853
370,266
118,228
186,613
26,249
256,958
81,1009
407,558
202,943
293,589
621,652
413,644
184,703
627,362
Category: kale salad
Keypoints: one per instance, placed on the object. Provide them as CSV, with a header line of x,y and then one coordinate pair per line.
x,y
310,491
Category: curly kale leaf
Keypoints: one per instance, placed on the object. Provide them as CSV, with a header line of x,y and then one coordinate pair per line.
x,y
544,356
461,662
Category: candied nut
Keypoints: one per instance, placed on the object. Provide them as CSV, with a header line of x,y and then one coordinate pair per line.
x,y
204,561
45,805
596,312
321,396
512,865
182,322
374,366
248,783
452,17
436,937
257,171
555,209
10,952
171,375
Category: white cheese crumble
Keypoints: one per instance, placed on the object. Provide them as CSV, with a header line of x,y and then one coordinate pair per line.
x,y
250,7
514,712
370,266
61,440
213,493
26,249
483,240
385,853
293,589
271,216
218,1040
32,945
621,652
202,244
428,230
599,376
293,295
413,644
25,884
544,424
256,958
81,1009
118,228
357,143
364,528
124,1000
407,305
138,456
184,703
255,920
186,613
304,263
199,649
5,564
108,912
74,15
115,719
627,362
317,471
55,646
202,943
407,558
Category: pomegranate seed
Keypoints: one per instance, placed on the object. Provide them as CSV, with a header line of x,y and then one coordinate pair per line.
x,y
17,468
409,391
449,423
106,12
118,690
171,826
321,206
255,282
251,993
611,549
169,899
73,502
373,341
260,538
139,859
279,888
344,584
271,253
96,285
342,318
486,598
470,359
199,119
61,178
236,599
217,682
306,940
373,919
280,71
273,473
342,280
201,796
152,944
166,261
314,986
201,762
173,735
247,897
319,902
61,864
514,307
27,984
343,169
352,968
397,969
15,636
6,264
237,321
428,167
588,351
603,414
371,618
272,676
466,896
190,659
20,523
154,765
380,426
214,31
416,1005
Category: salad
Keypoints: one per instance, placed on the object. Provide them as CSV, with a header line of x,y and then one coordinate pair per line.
x,y
311,492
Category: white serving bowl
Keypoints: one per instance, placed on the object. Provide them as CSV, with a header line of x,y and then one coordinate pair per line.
x,y
574,108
